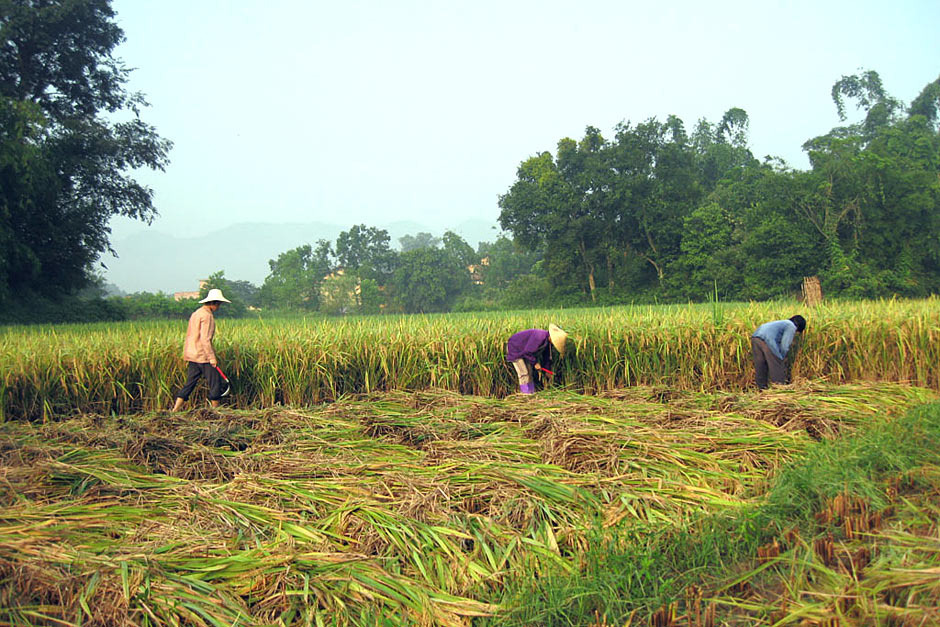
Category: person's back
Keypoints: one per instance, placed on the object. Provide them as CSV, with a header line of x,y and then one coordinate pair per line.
x,y
197,346
778,335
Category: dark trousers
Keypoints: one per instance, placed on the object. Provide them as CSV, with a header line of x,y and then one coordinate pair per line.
x,y
193,372
765,362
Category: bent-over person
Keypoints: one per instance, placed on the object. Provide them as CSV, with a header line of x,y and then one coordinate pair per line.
x,y
531,350
770,347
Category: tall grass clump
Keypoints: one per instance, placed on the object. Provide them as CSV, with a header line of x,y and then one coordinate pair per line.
x,y
137,366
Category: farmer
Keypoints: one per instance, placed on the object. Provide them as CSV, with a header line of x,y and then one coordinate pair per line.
x,y
532,349
770,344
198,350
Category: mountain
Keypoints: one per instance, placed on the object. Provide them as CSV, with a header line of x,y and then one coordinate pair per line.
x,y
153,261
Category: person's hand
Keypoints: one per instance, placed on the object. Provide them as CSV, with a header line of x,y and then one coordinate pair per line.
x,y
213,363
538,366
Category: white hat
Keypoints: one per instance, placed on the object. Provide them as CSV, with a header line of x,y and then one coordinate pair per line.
x,y
215,295
557,337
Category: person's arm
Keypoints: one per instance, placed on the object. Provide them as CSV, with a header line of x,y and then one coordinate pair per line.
x,y
786,340
534,346
545,357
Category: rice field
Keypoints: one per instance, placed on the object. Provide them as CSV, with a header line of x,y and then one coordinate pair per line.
x,y
135,367
380,471
397,508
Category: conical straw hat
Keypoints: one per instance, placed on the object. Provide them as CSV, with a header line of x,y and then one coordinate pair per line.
x,y
557,337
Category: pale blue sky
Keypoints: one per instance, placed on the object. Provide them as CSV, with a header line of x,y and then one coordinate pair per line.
x,y
368,112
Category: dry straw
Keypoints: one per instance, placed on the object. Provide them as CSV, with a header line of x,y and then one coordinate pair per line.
x,y
416,507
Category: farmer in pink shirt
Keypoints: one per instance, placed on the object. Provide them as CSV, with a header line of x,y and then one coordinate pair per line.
x,y
199,352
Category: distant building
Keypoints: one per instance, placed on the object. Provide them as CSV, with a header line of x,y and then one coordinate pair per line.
x,y
191,295
476,271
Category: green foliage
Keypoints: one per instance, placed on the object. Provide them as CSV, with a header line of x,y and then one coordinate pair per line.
x,y
371,297
504,262
159,306
35,309
338,295
459,250
710,257
776,258
428,280
655,213
527,291
295,279
64,152
927,103
365,252
600,205
421,240
699,209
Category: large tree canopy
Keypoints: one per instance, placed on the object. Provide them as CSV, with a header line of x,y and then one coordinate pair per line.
x,y
365,252
661,213
603,211
65,150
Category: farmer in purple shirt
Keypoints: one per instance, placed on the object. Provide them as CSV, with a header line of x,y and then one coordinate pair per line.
x,y
770,346
532,350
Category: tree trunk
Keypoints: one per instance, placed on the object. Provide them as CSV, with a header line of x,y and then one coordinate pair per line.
x,y
659,270
589,267
610,272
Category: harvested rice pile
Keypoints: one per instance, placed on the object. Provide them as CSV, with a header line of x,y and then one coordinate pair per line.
x,y
399,508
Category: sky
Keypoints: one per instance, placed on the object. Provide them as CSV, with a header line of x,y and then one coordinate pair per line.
x,y
355,111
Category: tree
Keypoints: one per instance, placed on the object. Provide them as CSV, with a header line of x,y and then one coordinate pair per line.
x,y
709,258
421,240
558,205
869,93
64,156
371,297
721,149
428,280
459,250
927,104
246,292
776,256
365,252
339,294
503,261
669,194
296,276
874,193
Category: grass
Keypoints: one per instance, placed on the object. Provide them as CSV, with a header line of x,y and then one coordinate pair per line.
x,y
424,507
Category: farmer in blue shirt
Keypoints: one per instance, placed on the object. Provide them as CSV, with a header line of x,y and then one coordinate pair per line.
x,y
531,350
769,346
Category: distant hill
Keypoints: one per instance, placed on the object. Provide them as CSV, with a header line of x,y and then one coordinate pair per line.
x,y
153,261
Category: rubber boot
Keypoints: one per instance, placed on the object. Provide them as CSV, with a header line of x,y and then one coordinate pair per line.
x,y
527,388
